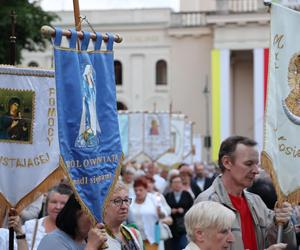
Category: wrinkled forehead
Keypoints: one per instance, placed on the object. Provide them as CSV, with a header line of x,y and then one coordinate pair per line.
x,y
119,193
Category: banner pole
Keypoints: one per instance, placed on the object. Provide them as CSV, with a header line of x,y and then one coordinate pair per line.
x,y
77,19
11,235
76,15
12,59
49,31
12,39
78,28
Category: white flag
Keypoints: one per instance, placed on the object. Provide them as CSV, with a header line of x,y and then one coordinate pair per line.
x,y
135,134
156,134
188,139
29,151
281,154
177,142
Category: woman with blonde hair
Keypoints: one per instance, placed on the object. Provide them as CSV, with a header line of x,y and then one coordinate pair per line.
x,y
120,237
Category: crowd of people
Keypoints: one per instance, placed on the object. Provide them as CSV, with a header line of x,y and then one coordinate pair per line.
x,y
190,207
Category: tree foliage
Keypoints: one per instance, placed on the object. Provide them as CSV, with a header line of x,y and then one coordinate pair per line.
x,y
29,20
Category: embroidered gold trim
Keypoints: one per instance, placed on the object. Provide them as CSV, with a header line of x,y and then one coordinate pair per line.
x,y
30,71
52,179
267,164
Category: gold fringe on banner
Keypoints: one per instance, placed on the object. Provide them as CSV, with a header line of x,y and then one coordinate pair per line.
x,y
53,179
294,197
112,187
78,198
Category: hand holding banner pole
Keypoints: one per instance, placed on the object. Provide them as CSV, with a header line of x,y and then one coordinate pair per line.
x,y
283,212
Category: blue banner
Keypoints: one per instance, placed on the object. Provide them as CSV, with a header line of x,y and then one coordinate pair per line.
x,y
88,127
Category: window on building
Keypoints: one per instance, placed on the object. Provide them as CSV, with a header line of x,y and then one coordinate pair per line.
x,y
118,72
161,72
33,64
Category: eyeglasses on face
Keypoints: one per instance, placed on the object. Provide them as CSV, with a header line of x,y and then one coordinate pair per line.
x,y
119,202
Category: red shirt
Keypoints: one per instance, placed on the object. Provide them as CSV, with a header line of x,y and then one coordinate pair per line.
x,y
247,225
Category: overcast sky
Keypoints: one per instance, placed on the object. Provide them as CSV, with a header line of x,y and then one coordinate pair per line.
x,y
108,4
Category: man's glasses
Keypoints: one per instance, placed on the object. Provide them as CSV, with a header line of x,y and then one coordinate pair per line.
x,y
119,202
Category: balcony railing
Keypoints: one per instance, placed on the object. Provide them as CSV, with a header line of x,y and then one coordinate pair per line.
x,y
188,19
241,6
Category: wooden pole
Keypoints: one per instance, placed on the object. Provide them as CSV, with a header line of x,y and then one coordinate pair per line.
x,y
12,61
77,15
11,235
77,19
12,38
49,31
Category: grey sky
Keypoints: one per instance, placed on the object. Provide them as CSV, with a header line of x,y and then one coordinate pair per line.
x,y
108,4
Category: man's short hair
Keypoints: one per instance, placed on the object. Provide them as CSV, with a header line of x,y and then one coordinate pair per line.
x,y
229,145
207,214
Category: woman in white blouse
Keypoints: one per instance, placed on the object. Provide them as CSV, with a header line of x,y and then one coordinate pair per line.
x,y
36,229
144,212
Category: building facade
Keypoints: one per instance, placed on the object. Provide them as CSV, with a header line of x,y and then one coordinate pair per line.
x,y
208,61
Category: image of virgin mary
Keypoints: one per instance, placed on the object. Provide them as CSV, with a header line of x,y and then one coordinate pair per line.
x,y
89,125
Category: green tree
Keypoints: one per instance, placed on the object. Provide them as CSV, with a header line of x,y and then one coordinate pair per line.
x,y
29,19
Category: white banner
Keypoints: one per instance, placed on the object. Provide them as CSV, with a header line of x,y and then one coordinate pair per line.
x,y
29,151
197,143
188,139
177,141
123,127
281,156
156,134
135,134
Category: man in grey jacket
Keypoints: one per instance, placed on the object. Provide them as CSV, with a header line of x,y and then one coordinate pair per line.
x,y
255,226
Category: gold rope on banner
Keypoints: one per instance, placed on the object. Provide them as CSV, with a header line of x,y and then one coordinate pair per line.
x,y
112,187
267,164
6,69
52,179
77,196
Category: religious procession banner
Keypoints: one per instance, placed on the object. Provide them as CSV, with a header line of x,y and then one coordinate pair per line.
x,y
281,153
123,126
135,134
29,151
157,140
89,139
175,155
188,139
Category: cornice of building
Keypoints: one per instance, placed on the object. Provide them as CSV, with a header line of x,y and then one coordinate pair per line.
x,y
238,18
119,17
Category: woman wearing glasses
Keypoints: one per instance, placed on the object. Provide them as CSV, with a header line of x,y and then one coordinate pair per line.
x,y
119,236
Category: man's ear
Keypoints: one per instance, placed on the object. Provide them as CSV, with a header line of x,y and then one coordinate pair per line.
x,y
226,160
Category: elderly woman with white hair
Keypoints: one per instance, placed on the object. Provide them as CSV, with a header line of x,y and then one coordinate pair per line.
x,y
208,226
